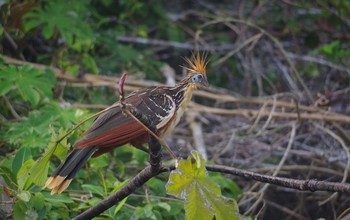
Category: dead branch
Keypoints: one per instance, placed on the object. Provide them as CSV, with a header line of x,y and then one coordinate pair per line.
x,y
311,112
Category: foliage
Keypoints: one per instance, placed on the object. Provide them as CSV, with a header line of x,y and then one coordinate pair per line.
x,y
32,84
203,199
82,37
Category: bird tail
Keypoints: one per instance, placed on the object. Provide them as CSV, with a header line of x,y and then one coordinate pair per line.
x,y
61,178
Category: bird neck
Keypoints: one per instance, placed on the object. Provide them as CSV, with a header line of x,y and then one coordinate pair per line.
x,y
186,87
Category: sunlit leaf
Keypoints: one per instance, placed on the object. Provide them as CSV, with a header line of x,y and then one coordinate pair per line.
x,y
40,169
23,175
203,199
24,196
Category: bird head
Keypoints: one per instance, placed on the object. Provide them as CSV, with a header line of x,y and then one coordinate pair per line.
x,y
197,76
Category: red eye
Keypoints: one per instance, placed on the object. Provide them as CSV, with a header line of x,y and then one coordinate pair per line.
x,y
199,76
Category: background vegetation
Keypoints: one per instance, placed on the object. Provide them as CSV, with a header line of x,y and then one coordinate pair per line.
x,y
276,51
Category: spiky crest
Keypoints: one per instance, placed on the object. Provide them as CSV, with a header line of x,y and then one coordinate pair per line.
x,y
197,63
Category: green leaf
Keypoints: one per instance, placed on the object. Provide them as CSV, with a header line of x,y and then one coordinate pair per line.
x,y
31,83
57,198
22,155
23,175
5,87
31,214
165,206
66,18
145,212
40,169
24,196
157,185
18,211
99,162
8,176
227,185
30,94
96,189
120,185
203,199
140,156
31,131
90,63
119,206
37,201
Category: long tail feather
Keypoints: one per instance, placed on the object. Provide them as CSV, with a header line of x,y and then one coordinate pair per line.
x,y
61,178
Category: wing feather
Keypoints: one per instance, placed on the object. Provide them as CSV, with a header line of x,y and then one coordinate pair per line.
x,y
113,128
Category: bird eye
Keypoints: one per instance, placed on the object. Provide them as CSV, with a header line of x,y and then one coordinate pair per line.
x,y
196,78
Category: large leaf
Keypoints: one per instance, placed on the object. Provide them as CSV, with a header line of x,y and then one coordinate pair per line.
x,y
32,83
32,131
8,176
23,175
66,18
24,196
22,156
57,198
203,199
96,189
40,169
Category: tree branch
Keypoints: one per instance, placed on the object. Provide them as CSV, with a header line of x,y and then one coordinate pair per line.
x,y
303,185
147,173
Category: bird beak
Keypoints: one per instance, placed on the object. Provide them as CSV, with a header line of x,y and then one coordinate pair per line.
x,y
205,82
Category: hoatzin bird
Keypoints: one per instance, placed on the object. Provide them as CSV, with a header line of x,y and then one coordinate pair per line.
x,y
163,105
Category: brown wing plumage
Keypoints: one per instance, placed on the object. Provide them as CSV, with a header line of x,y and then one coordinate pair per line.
x,y
113,128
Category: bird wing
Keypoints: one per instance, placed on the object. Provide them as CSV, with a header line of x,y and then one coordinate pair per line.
x,y
113,128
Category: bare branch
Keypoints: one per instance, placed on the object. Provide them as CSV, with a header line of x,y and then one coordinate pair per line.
x,y
303,185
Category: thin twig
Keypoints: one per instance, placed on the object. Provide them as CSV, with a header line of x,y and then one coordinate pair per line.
x,y
347,151
278,168
318,60
179,45
250,113
238,48
12,110
272,38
